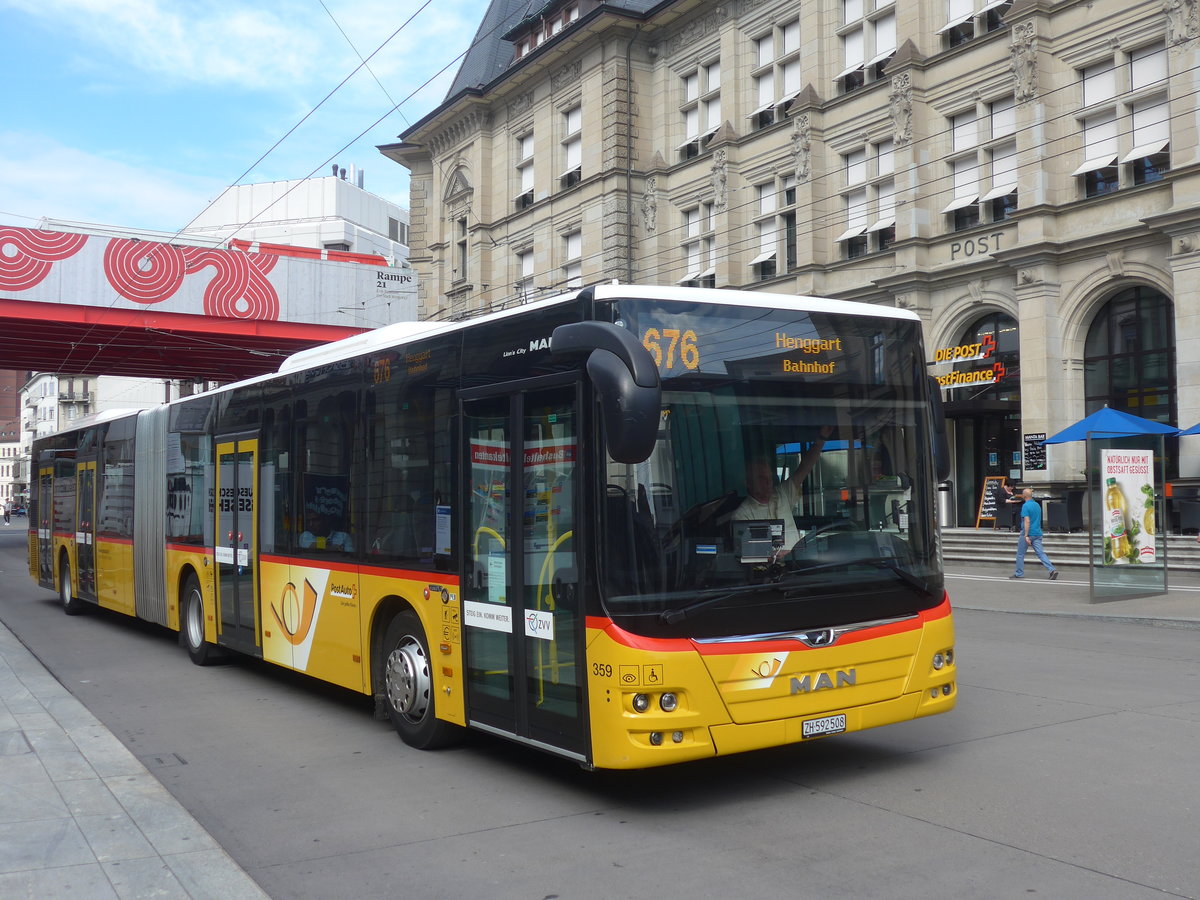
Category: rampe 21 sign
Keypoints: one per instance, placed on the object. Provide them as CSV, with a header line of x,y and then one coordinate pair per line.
x,y
982,350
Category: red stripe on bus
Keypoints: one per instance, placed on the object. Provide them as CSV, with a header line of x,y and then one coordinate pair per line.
x,y
362,568
678,645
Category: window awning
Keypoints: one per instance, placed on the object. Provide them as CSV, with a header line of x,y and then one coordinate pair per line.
x,y
882,224
708,273
1000,190
762,109
690,276
956,21
763,257
788,98
961,202
880,57
851,232
690,140
857,67
992,4
1144,150
573,170
1092,165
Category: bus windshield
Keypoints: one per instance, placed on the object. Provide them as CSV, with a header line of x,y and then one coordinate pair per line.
x,y
791,486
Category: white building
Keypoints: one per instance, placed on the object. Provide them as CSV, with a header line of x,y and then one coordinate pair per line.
x,y
330,213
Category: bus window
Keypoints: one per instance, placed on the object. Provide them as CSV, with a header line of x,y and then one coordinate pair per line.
x,y
326,426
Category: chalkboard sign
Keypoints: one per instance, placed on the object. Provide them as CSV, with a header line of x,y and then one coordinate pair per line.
x,y
987,499
1035,452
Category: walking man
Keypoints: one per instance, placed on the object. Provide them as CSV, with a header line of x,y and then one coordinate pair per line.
x,y
1031,536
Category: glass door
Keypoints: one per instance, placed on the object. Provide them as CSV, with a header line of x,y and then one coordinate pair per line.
x,y
45,524
85,529
522,609
236,542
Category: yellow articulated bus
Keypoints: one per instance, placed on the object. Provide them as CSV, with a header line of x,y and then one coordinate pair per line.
x,y
630,526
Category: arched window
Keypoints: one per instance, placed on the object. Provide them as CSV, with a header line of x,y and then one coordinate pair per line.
x,y
1129,357
998,331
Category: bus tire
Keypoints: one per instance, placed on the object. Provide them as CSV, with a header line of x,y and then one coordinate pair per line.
x,y
191,625
71,604
408,686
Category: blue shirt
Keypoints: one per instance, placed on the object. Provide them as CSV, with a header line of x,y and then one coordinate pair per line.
x,y
1032,510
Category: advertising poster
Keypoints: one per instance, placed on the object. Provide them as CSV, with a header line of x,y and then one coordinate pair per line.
x,y
1127,486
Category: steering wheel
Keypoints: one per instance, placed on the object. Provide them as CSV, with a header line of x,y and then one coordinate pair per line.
x,y
834,525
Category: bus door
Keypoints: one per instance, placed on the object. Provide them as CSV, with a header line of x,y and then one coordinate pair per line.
x,y
522,615
85,529
236,549
45,525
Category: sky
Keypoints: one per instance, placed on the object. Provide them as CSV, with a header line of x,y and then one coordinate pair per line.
x,y
138,113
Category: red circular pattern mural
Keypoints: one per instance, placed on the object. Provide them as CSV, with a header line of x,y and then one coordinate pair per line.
x,y
26,255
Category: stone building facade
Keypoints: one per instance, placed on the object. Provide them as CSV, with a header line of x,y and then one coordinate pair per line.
x,y
1021,174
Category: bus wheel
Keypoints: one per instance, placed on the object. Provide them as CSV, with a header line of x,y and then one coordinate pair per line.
x,y
191,630
408,686
71,604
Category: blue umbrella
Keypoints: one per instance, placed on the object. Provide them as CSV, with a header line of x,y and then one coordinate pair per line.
x,y
1108,423
1195,429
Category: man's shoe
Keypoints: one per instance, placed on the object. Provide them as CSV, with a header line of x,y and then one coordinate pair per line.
x,y
1054,574
1015,577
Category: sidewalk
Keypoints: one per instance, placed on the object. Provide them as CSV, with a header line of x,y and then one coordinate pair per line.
x,y
987,587
80,816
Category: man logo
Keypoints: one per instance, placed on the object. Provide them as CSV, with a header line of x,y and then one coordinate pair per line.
x,y
824,681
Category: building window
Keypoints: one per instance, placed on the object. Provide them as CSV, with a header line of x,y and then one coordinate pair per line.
x,y
524,283
776,73
700,109
524,149
1129,357
461,256
983,156
868,37
572,144
967,18
869,199
573,260
1125,123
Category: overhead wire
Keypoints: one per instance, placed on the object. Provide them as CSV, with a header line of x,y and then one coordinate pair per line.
x,y
363,63
815,223
729,250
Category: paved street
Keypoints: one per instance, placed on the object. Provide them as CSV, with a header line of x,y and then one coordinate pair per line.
x,y
1068,770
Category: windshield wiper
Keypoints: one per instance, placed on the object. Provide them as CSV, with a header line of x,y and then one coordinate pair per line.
x,y
677,615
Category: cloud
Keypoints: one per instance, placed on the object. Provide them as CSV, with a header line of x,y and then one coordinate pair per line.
x,y
59,182
277,46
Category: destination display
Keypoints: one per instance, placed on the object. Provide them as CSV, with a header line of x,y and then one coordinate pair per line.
x,y
767,344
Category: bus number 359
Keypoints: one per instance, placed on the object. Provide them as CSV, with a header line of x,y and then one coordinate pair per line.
x,y
683,342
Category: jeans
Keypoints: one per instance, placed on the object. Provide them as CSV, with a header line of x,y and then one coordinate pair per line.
x,y
1035,541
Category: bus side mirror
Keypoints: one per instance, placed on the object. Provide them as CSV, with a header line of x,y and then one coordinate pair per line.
x,y
941,446
626,381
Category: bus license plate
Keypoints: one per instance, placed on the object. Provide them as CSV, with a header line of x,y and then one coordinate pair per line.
x,y
811,728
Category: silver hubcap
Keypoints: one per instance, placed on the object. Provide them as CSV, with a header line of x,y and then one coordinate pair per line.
x,y
195,620
407,679
64,589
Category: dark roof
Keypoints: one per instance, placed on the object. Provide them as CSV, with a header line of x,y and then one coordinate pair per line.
x,y
489,54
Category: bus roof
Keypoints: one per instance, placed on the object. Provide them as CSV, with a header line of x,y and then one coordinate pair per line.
x,y
399,333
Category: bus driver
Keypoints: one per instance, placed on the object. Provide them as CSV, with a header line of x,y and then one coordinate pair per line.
x,y
768,500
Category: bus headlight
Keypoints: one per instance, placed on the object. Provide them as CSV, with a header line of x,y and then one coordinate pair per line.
x,y
669,702
656,738
938,660
641,702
